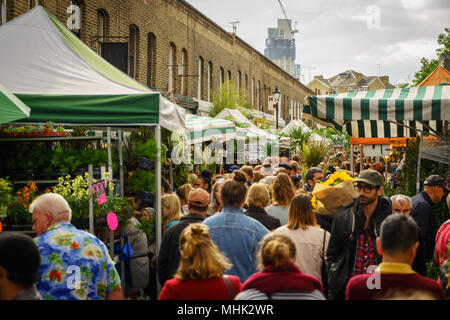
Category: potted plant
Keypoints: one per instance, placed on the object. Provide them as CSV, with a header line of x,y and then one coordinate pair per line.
x,y
18,213
5,193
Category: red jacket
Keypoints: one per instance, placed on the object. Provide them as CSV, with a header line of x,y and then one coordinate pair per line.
x,y
208,289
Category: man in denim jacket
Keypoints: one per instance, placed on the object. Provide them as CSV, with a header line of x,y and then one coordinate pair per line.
x,y
236,234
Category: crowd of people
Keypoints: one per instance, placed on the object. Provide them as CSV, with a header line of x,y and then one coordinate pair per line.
x,y
250,233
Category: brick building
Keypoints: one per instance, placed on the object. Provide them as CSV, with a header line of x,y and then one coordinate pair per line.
x,y
174,47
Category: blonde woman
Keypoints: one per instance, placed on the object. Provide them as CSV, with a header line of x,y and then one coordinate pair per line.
x,y
257,199
282,193
170,210
200,274
183,193
279,278
311,242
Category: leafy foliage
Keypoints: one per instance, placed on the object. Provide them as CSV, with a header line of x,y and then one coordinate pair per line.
x,y
228,96
313,152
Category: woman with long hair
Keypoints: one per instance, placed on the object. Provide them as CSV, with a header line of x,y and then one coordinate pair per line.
x,y
200,274
183,193
279,278
310,240
215,198
170,210
283,192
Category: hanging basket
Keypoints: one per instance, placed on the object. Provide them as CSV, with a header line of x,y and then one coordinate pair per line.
x,y
145,163
147,196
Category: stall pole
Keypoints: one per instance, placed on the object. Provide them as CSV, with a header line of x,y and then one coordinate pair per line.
x,y
91,199
361,158
418,164
352,167
110,170
158,198
171,175
121,181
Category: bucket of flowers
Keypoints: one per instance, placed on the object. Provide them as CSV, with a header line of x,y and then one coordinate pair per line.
x,y
18,213
334,193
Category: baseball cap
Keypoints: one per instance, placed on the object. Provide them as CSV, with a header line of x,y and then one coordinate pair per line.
x,y
198,197
371,177
435,180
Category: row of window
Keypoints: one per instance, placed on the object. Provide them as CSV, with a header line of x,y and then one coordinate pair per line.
x,y
178,73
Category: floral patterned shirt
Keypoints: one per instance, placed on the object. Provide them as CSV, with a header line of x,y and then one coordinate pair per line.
x,y
75,265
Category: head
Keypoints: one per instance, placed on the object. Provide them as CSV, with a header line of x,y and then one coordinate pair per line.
x,y
295,167
192,178
257,168
183,193
287,167
234,191
233,168
399,239
301,213
48,209
275,250
283,189
257,177
204,180
369,186
258,196
401,204
215,199
435,187
170,208
296,158
312,176
165,186
19,263
200,257
249,171
198,201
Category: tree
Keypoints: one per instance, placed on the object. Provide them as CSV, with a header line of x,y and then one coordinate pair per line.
x,y
228,96
428,66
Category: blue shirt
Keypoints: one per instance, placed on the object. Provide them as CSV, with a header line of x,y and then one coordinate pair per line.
x,y
75,265
237,236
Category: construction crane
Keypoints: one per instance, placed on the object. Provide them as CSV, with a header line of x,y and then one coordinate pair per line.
x,y
292,31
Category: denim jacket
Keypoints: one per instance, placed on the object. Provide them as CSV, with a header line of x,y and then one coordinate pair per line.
x,y
237,237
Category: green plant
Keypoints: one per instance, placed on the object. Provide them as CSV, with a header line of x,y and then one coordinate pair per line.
x,y
298,136
227,96
313,152
148,226
142,180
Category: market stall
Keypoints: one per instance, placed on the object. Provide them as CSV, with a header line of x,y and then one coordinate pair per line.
x,y
69,84
11,108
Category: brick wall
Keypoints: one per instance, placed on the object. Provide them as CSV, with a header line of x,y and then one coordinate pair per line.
x,y
177,22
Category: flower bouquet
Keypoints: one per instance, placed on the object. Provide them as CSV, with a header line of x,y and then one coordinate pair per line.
x,y
334,193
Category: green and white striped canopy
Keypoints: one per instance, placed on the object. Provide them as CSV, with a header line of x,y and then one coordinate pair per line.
x,y
383,113
11,108
200,129
419,103
64,81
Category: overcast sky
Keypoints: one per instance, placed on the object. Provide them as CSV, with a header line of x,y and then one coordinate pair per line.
x,y
336,35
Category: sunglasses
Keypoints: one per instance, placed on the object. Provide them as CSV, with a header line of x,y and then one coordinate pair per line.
x,y
366,187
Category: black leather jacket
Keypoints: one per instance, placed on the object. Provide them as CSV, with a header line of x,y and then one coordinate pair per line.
x,y
342,245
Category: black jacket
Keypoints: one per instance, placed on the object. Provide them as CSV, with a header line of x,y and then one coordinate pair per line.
x,y
262,216
422,212
325,221
169,252
342,245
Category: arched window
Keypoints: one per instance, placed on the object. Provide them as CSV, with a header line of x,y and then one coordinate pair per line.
x,y
172,67
2,12
132,48
258,95
210,79
183,71
151,60
200,78
101,28
239,80
222,77
229,75
253,91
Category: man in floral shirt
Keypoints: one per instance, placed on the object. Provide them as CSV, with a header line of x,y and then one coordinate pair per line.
x,y
75,265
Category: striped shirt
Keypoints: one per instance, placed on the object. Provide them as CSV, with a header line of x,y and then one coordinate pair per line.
x,y
253,294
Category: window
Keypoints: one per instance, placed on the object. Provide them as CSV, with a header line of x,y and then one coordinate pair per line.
x,y
258,94
151,59
246,83
222,77
239,79
2,12
229,76
182,71
210,79
101,28
172,67
132,44
253,91
76,10
32,3
200,77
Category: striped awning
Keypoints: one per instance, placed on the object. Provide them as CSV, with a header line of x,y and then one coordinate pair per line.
x,y
418,103
384,113
200,129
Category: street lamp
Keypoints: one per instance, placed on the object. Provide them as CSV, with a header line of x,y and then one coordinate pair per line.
x,y
276,97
